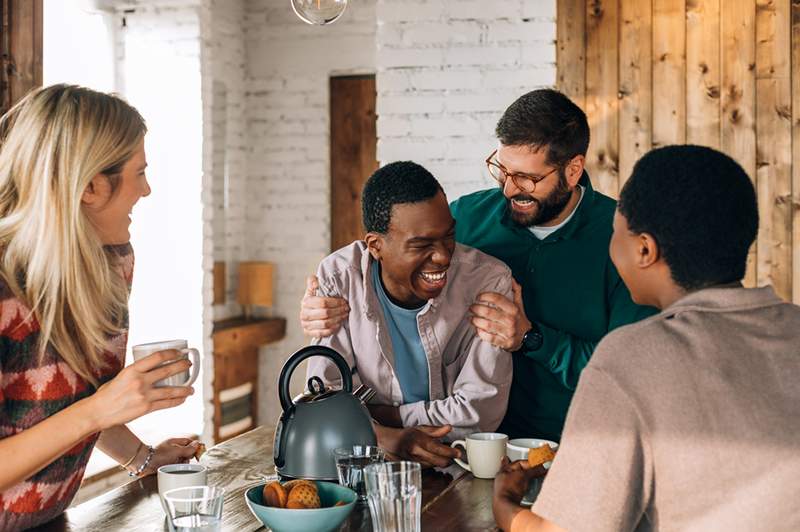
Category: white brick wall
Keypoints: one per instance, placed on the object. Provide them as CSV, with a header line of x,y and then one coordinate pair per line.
x,y
225,75
287,216
447,70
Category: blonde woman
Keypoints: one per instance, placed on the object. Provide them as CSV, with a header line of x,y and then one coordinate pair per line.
x,y
72,166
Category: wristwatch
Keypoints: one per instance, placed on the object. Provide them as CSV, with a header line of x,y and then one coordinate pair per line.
x,y
533,339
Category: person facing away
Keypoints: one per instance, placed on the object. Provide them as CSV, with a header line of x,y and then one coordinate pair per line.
x,y
690,419
72,166
408,336
552,229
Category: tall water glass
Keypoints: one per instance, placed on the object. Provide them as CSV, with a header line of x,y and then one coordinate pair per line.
x,y
350,464
394,493
195,508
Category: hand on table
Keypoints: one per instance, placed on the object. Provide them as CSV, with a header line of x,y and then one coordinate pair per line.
x,y
499,321
419,444
321,316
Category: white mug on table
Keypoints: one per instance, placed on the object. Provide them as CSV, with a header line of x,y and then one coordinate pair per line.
x,y
185,378
174,476
485,452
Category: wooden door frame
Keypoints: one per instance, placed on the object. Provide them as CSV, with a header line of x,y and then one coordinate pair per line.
x,y
366,157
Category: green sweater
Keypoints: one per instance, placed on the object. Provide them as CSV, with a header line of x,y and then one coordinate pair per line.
x,y
570,289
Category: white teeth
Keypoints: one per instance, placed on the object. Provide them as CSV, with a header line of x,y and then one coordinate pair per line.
x,y
523,203
432,277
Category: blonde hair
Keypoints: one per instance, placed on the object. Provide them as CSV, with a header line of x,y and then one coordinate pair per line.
x,y
52,143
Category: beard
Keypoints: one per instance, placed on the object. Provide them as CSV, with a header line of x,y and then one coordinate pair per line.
x,y
547,208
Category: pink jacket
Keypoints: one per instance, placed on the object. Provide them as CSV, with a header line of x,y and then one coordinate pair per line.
x,y
469,378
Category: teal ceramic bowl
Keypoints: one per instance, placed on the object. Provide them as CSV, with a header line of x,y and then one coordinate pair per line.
x,y
323,519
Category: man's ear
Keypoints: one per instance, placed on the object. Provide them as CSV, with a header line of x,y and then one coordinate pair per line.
x,y
374,244
648,252
574,170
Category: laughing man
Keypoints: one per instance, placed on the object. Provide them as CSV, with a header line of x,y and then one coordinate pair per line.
x,y
408,334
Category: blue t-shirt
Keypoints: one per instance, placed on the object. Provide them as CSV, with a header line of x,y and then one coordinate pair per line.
x,y
410,360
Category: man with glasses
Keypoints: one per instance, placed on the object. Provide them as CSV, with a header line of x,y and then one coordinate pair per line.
x,y
552,229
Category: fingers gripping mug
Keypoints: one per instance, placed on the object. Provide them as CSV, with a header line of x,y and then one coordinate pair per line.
x,y
184,378
485,452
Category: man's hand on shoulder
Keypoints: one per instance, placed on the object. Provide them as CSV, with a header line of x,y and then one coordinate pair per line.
x,y
500,321
321,316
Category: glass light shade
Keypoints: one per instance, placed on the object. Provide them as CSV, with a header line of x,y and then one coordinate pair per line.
x,y
319,12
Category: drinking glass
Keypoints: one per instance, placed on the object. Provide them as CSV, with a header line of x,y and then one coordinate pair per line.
x,y
394,493
195,508
350,464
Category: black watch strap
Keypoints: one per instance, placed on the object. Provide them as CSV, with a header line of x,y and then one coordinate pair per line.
x,y
533,339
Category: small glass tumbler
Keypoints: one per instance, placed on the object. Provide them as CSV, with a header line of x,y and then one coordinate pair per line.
x,y
394,493
195,508
350,464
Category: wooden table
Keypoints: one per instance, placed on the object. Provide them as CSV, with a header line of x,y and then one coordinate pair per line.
x,y
452,499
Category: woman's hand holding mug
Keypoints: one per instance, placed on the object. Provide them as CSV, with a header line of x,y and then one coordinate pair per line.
x,y
134,392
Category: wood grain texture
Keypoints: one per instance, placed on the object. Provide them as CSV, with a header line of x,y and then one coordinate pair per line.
x,y
635,84
571,49
739,93
353,153
774,146
669,72
795,88
236,345
25,45
703,73
602,81
245,461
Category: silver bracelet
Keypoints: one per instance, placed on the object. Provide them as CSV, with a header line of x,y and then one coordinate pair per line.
x,y
139,470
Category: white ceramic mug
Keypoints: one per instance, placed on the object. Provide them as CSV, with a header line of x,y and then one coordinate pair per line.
x,y
485,452
517,449
184,378
173,476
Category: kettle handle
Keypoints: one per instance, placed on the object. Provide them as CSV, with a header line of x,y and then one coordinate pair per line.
x,y
304,353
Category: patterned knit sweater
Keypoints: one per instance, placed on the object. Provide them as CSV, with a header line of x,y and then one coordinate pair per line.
x,y
31,391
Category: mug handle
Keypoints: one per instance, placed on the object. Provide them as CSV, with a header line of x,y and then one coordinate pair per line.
x,y
195,356
463,444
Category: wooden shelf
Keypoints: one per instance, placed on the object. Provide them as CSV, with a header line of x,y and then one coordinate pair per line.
x,y
236,344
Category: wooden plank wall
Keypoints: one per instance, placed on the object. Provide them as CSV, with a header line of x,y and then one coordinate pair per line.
x,y
20,49
721,73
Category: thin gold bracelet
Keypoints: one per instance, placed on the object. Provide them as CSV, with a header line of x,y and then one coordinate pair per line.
x,y
129,462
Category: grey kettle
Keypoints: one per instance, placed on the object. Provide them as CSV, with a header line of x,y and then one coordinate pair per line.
x,y
310,429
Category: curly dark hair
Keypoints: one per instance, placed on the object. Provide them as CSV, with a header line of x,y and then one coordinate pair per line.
x,y
545,118
700,207
395,183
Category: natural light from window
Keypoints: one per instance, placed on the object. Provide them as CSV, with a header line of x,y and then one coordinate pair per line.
x,y
90,47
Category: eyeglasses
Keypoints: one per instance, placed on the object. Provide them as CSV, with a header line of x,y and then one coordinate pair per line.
x,y
526,183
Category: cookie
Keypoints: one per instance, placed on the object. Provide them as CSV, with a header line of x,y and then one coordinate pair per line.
x,y
304,493
540,455
200,450
275,495
292,483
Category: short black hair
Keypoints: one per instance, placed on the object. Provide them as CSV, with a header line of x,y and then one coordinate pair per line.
x,y
700,207
545,118
395,183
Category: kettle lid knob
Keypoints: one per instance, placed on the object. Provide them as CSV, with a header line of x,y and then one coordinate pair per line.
x,y
315,385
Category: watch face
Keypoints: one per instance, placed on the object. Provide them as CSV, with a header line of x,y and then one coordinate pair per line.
x,y
532,339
